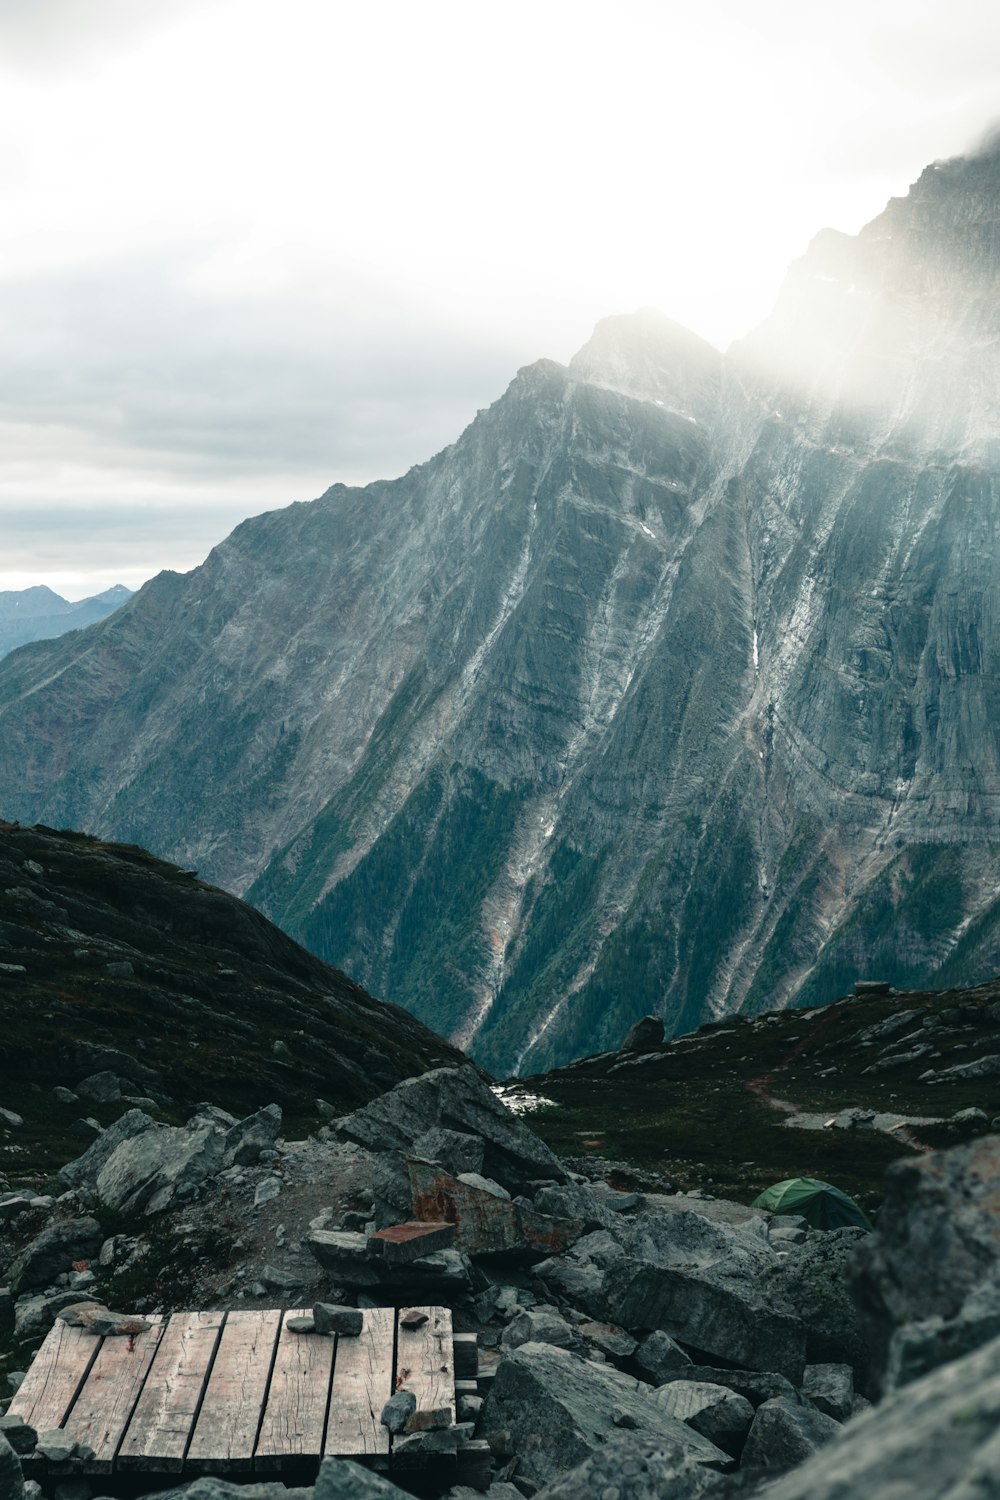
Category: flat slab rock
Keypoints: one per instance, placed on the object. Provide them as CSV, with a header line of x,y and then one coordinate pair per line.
x,y
632,1468
561,1409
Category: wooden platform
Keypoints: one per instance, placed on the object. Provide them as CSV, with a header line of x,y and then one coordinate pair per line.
x,y
236,1392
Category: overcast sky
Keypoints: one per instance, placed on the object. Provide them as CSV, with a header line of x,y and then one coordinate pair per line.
x,y
251,247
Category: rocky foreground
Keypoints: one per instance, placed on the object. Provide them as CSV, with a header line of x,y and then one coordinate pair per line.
x,y
635,1343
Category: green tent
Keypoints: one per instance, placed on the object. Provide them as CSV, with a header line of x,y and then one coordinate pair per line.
x,y
821,1204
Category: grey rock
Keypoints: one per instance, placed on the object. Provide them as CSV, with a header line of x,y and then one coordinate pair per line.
x,y
266,1190
10,1120
485,1184
540,1325
633,1467
398,1410
721,1317
457,1099
54,1251
275,1278
301,1325
56,1445
11,1479
934,1440
936,1244
980,1067
830,1388
437,1440
12,1205
64,1096
783,1434
713,1410
574,1201
612,1341
919,1347
100,1088
757,1386
561,1409
158,1167
246,1140
87,1128
19,1434
456,1150
341,1479
647,1032
83,1172
816,1283
660,1356
35,1315
331,1317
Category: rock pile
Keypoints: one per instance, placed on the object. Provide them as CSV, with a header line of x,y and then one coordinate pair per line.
x,y
642,1343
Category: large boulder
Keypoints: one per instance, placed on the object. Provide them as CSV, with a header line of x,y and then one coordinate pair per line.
x,y
784,1433
934,1440
633,1468
560,1409
815,1282
455,1099
84,1170
248,1138
159,1166
935,1256
54,1251
647,1032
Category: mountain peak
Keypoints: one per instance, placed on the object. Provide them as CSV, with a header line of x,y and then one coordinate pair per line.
x,y
647,355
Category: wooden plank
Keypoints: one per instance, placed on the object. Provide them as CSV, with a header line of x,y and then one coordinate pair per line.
x,y
425,1360
226,1430
299,1395
158,1434
362,1384
55,1376
110,1392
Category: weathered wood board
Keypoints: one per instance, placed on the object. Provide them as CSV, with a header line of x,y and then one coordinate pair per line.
x,y
295,1412
105,1404
55,1376
362,1384
157,1436
225,1434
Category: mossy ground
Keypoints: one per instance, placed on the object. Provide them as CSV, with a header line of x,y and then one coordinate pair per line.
x,y
696,1109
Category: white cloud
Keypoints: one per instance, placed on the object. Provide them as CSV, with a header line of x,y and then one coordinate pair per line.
x,y
251,244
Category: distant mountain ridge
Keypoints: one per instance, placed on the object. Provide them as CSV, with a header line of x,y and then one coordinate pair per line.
x,y
671,686
40,614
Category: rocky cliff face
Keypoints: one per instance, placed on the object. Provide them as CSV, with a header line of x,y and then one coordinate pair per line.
x,y
670,686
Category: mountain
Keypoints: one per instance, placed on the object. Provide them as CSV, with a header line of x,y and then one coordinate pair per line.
x,y
38,614
104,948
670,686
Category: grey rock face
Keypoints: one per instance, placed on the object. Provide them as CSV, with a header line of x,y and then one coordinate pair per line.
x,y
340,1479
561,1409
248,1138
660,1356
